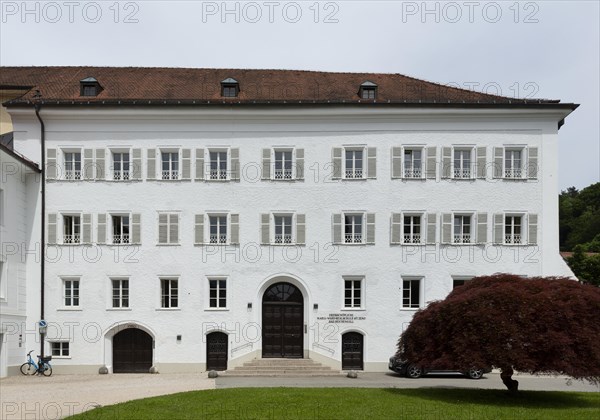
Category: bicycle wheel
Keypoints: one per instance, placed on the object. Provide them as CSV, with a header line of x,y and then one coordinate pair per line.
x,y
27,369
47,369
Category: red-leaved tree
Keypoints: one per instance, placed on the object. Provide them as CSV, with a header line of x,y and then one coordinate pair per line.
x,y
541,325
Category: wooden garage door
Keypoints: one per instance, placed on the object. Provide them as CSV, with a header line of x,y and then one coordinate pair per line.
x,y
132,351
216,351
283,322
352,351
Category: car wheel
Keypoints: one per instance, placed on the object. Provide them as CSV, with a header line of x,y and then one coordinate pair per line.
x,y
475,373
414,371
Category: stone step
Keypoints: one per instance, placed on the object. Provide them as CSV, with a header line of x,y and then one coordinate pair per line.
x,y
282,368
288,373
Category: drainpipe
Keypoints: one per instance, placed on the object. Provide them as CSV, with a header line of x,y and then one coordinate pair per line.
x,y
37,107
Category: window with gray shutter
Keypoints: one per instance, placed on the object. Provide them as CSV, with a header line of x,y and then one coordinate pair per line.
x,y
136,228
151,164
371,228
498,162
51,167
52,220
431,162
174,228
371,162
396,229
200,164
336,161
265,225
532,163
447,228
235,229
101,228
498,228
482,220
481,162
235,164
300,229
88,164
100,164
431,228
300,164
266,164
446,162
199,229
336,228
163,228
186,164
137,164
87,228
396,162
532,224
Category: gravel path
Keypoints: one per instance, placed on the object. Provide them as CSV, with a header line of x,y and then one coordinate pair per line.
x,y
59,396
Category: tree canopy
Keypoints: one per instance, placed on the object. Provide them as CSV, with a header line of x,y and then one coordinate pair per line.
x,y
532,325
579,216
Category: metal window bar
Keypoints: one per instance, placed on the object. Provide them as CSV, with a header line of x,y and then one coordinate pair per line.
x,y
413,172
218,174
170,174
123,175
413,238
464,238
513,173
121,238
217,239
353,238
283,239
72,238
72,174
354,173
283,174
513,239
462,172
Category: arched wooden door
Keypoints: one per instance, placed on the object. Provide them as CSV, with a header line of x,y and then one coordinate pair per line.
x,y
283,321
132,351
352,351
216,351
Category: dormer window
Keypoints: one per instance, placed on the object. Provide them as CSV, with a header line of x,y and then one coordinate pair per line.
x,y
230,88
89,87
368,90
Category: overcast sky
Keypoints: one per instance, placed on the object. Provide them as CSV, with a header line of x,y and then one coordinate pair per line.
x,y
545,49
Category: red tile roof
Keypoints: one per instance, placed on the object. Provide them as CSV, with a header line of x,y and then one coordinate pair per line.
x,y
157,86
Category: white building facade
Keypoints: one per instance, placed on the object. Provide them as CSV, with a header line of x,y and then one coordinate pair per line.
x,y
201,237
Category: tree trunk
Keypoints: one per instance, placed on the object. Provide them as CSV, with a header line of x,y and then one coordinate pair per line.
x,y
506,376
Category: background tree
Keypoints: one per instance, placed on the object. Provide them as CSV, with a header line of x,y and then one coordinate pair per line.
x,y
586,268
579,217
532,325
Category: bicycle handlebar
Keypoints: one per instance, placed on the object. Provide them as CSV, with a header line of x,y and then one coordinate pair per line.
x,y
29,352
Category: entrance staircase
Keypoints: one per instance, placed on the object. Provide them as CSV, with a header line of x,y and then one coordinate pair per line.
x,y
282,367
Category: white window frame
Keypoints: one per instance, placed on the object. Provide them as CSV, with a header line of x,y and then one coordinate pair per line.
x,y
169,295
76,238
506,172
170,174
363,233
61,351
353,174
71,280
120,295
227,298
124,239
274,216
292,174
421,289
72,174
122,175
218,176
523,238
169,214
461,234
361,290
422,228
460,173
463,279
413,174
208,233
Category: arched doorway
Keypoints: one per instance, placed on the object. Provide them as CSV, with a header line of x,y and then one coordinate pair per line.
x,y
283,321
132,351
216,351
352,351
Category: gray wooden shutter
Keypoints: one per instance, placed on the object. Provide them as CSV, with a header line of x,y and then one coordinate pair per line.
x,y
136,165
86,228
234,238
431,162
371,162
163,227
396,229
431,228
300,229
186,164
174,228
151,164
532,163
88,164
199,164
52,222
481,162
447,228
265,224
498,228
482,220
446,162
51,168
371,228
532,231
101,228
266,164
336,228
199,229
396,162
498,162
136,228
337,163
235,164
100,164
300,164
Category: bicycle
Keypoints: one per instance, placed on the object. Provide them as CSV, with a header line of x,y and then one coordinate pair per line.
x,y
41,367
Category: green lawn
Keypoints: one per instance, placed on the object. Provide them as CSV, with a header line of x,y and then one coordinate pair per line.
x,y
356,403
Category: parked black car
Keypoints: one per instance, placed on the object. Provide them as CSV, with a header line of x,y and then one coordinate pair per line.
x,y
411,370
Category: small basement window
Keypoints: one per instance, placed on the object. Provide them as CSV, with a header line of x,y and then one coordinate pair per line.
x,y
89,87
368,90
230,88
